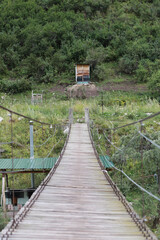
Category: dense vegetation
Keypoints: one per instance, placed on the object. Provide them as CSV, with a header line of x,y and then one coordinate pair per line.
x,y
42,40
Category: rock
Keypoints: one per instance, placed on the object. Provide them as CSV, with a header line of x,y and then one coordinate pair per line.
x,y
66,130
1,119
82,90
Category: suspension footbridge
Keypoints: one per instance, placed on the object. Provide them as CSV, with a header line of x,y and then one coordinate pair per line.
x,y
77,200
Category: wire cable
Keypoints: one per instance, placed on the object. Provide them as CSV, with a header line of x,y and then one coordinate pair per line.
x,y
122,150
140,187
47,139
112,143
148,139
21,115
139,121
51,150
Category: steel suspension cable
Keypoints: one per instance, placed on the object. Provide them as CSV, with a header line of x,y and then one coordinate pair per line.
x,y
21,115
51,150
122,150
47,139
141,188
139,121
148,139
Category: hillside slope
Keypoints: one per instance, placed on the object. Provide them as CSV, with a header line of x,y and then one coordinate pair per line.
x,y
42,40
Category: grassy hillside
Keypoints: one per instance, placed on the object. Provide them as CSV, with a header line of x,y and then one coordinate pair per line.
x,y
42,40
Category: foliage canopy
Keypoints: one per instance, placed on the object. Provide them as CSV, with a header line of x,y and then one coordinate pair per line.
x,y
40,40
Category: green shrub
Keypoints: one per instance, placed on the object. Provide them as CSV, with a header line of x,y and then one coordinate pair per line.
x,y
3,67
145,69
142,73
154,83
3,220
96,56
15,86
128,64
99,73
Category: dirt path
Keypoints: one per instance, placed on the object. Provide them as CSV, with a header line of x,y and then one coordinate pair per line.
x,y
125,86
93,90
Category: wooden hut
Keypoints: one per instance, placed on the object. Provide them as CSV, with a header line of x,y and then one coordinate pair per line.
x,y
82,72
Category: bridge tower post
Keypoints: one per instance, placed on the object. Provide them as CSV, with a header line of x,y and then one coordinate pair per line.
x,y
31,153
87,115
70,115
3,194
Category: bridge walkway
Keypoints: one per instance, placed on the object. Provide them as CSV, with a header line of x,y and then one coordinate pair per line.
x,y
77,203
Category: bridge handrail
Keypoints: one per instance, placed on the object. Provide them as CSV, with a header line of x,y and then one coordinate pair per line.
x,y
31,119
139,121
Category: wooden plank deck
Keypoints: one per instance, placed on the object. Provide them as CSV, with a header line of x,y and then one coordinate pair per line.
x,y
78,203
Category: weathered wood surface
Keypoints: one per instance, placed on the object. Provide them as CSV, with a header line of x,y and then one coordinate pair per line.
x,y
78,203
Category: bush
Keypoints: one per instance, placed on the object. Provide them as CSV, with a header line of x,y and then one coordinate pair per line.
x,y
96,56
145,69
3,220
100,73
128,64
14,86
3,67
154,83
142,73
